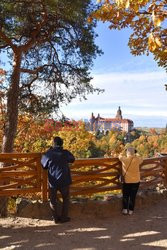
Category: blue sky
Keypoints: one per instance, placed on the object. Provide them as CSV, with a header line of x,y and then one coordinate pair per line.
x,y
134,83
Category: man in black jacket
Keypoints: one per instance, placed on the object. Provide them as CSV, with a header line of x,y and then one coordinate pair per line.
x,y
57,160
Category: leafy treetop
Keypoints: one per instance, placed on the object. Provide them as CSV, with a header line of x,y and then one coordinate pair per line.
x,y
50,47
56,46
146,18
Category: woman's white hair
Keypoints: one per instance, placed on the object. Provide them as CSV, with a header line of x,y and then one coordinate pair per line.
x,y
130,151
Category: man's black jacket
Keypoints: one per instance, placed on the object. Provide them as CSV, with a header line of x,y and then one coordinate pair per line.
x,y
57,160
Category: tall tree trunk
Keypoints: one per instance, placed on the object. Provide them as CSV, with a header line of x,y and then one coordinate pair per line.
x,y
11,118
12,106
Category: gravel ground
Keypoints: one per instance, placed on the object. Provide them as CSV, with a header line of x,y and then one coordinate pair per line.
x,y
145,229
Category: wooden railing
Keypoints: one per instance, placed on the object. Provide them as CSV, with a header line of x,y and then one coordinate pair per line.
x,y
92,176
96,175
23,174
20,174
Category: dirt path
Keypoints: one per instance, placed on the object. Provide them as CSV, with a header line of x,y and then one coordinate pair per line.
x,y
146,229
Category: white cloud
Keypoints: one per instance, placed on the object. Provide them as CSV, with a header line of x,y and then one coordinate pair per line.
x,y
135,77
140,94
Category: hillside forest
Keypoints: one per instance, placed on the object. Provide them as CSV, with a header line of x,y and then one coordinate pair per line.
x,y
35,134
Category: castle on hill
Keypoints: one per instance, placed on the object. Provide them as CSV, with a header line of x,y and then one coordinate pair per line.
x,y
106,124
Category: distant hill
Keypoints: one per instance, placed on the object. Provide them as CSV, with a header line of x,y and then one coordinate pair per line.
x,y
147,129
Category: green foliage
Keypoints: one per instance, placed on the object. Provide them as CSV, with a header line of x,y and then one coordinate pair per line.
x,y
57,50
50,49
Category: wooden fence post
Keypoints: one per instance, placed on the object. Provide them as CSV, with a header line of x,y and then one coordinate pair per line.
x,y
165,171
44,185
39,174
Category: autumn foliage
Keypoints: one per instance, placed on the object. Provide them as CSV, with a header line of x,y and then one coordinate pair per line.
x,y
35,134
146,19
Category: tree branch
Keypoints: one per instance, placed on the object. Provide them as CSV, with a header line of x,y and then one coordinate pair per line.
x,y
33,71
144,12
28,85
29,44
4,46
7,40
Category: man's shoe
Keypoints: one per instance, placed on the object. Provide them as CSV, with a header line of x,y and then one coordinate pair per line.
x,y
56,220
124,211
65,219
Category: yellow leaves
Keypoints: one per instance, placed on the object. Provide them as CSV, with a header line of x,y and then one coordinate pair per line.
x,y
158,13
123,3
119,2
104,13
136,8
154,42
135,5
127,4
90,19
157,20
151,43
158,41
77,139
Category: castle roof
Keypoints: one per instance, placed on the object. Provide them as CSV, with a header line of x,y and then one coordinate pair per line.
x,y
115,120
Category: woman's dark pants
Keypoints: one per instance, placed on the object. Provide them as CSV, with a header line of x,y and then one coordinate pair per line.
x,y
129,191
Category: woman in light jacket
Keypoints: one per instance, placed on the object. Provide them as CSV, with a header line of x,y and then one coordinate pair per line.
x,y
131,174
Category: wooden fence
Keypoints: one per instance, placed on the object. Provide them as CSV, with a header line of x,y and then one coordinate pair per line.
x,y
24,175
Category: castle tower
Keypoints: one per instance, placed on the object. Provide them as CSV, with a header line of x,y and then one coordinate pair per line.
x,y
92,121
119,113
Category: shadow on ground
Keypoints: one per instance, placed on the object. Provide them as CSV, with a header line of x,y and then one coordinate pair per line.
x,y
146,229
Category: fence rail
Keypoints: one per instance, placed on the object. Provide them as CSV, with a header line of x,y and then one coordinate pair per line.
x,y
22,174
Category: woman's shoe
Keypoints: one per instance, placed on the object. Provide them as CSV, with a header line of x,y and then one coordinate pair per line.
x,y
124,211
130,212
